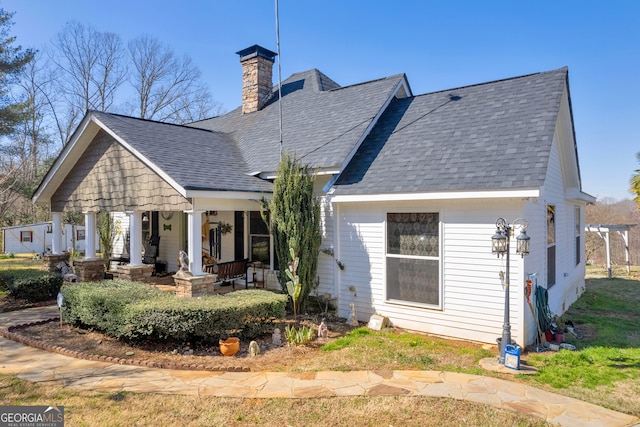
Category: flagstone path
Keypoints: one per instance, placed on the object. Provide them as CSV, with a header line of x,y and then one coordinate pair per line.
x,y
40,366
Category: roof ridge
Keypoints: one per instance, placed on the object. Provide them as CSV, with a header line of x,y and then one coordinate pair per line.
x,y
495,81
401,75
146,120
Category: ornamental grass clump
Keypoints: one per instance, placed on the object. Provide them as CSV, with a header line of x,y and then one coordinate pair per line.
x,y
298,336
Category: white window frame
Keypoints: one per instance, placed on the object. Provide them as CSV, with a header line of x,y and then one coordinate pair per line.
x,y
438,258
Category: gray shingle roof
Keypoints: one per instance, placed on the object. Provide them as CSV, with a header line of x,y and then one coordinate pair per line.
x,y
322,122
196,159
495,135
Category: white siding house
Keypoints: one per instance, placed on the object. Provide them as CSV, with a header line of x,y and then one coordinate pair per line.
x,y
36,238
411,187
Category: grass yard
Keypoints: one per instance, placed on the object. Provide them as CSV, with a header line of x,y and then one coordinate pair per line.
x,y
129,409
19,262
604,370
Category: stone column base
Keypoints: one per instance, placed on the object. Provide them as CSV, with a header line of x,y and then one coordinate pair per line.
x,y
89,270
194,286
50,262
135,273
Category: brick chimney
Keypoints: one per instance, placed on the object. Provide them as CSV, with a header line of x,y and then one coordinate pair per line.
x,y
257,73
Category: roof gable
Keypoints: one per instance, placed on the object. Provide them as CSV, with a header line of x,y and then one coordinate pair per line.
x,y
188,159
108,177
195,159
492,136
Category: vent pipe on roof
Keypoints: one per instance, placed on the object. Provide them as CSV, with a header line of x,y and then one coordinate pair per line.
x,y
257,72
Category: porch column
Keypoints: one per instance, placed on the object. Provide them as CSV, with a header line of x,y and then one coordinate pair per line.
x,y
89,235
135,238
56,233
194,244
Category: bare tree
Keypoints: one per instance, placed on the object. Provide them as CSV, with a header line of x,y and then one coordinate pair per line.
x,y
167,88
33,136
92,66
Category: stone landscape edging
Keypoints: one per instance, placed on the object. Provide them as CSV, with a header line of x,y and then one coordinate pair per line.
x,y
10,333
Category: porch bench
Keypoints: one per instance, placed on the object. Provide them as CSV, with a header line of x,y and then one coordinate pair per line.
x,y
228,272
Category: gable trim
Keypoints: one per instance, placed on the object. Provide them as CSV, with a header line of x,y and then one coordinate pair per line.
x,y
44,190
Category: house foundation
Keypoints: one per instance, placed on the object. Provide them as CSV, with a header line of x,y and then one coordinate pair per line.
x,y
194,286
89,270
50,262
135,273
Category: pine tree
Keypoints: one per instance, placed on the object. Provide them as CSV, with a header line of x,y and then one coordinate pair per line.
x,y
294,219
12,61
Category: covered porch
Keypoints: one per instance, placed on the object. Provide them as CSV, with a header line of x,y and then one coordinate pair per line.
x,y
162,201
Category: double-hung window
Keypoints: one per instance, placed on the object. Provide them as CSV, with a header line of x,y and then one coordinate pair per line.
x,y
26,236
413,258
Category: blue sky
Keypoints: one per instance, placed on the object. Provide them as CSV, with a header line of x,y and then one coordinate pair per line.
x,y
438,44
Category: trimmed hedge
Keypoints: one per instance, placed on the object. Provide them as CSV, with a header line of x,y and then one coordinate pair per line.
x,y
33,287
10,276
134,311
103,305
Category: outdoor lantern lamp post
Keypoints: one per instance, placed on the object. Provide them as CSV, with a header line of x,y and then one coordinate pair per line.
x,y
500,246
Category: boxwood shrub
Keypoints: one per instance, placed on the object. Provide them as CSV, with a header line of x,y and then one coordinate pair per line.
x,y
35,289
103,305
10,276
134,311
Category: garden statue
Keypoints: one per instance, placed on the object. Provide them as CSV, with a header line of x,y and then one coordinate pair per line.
x,y
66,271
276,338
323,331
254,348
183,261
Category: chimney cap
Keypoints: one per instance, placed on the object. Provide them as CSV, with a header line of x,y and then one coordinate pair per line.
x,y
254,51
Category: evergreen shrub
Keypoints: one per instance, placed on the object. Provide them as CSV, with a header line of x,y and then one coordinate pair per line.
x,y
36,289
134,311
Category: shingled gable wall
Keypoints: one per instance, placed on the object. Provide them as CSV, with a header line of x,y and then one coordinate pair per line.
x,y
108,177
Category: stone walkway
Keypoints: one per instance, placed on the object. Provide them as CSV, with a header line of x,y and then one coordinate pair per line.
x,y
39,366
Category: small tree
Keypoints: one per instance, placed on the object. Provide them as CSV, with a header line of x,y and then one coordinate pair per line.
x,y
635,183
294,222
106,233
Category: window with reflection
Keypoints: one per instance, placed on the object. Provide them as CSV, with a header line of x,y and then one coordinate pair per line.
x,y
413,258
259,239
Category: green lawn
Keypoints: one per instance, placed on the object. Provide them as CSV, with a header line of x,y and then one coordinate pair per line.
x,y
604,370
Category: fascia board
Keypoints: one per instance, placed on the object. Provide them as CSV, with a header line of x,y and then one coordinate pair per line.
x,y
316,172
577,195
233,195
459,195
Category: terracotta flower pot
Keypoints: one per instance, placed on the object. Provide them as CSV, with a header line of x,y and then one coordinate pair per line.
x,y
230,346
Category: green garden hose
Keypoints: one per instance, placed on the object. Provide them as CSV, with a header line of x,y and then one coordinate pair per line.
x,y
542,307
